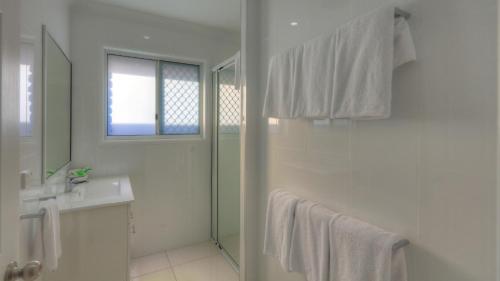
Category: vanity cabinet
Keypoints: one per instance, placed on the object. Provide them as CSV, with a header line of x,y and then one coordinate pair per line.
x,y
95,245
94,220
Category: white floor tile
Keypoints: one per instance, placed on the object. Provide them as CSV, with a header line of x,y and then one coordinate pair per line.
x,y
163,275
192,253
213,268
149,264
231,243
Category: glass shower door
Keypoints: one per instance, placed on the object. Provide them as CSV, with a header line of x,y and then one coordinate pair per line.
x,y
227,162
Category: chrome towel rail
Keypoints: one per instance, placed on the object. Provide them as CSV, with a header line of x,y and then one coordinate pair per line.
x,y
38,215
401,244
402,13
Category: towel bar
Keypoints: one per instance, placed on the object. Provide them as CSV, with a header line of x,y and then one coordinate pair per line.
x,y
38,215
402,13
401,244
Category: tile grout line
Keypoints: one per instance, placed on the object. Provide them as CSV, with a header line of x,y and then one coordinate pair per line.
x,y
198,259
154,270
148,255
217,253
171,266
150,272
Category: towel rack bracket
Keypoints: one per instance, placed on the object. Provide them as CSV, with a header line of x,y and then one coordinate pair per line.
x,y
402,13
38,215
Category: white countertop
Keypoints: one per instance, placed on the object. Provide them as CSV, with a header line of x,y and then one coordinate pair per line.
x,y
98,192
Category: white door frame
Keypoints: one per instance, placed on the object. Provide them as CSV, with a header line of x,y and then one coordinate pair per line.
x,y
250,100
9,131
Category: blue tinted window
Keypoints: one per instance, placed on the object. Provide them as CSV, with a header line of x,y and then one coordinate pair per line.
x,y
136,98
26,70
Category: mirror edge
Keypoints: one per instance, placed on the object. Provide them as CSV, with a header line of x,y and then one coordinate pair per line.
x,y
46,35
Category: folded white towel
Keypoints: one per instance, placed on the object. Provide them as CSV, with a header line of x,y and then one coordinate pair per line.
x,y
279,224
310,246
300,81
346,74
363,252
398,265
51,235
364,65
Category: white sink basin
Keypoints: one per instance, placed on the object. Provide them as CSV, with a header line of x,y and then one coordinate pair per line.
x,y
95,190
98,192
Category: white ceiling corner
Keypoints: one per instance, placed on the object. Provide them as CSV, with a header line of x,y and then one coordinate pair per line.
x,y
224,14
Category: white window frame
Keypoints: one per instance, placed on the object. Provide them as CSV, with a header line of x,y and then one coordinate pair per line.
x,y
158,59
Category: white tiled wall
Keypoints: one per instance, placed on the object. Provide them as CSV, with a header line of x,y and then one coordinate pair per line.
x,y
33,14
171,179
429,171
55,15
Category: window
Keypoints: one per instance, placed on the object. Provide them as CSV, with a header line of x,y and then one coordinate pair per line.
x,y
229,102
26,89
180,102
148,97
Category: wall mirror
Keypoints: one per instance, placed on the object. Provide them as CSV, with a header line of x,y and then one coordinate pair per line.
x,y
56,106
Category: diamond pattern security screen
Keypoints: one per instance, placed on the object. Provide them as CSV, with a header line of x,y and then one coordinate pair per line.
x,y
229,103
150,97
180,99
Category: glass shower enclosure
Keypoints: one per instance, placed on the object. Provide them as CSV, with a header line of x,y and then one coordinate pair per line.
x,y
226,161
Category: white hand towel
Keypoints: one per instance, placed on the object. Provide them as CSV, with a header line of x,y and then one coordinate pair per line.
x,y
51,235
279,224
362,252
365,62
346,74
280,93
310,246
300,81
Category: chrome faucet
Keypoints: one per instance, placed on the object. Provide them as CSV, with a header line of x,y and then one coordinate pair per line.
x,y
69,186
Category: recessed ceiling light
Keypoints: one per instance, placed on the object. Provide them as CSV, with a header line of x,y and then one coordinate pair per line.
x,y
147,37
294,23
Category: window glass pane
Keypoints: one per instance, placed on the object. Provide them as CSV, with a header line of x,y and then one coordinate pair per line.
x,y
229,102
26,89
180,99
131,96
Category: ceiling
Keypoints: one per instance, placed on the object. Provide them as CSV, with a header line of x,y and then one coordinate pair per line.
x,y
223,14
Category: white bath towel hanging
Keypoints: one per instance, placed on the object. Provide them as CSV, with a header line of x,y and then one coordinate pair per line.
x,y
362,252
279,224
51,237
365,60
345,74
310,245
300,81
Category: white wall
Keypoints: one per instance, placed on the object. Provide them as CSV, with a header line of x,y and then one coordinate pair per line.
x,y
9,140
95,245
429,171
250,258
171,179
55,15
